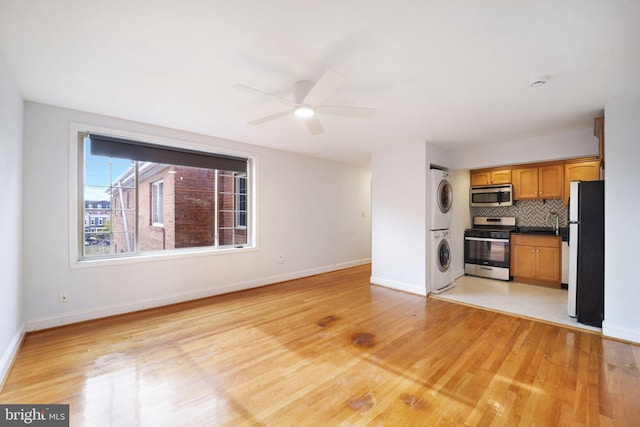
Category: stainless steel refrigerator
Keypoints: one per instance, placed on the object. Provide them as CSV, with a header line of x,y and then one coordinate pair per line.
x,y
586,252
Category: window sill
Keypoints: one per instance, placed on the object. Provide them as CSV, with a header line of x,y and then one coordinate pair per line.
x,y
158,256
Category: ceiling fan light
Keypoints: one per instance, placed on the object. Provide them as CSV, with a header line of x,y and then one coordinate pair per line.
x,y
304,111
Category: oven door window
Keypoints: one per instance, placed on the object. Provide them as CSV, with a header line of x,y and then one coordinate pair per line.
x,y
492,252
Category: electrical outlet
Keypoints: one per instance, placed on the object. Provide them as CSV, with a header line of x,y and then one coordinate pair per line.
x,y
280,259
63,296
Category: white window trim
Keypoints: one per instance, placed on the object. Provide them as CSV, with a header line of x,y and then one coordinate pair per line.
x,y
155,189
207,144
237,196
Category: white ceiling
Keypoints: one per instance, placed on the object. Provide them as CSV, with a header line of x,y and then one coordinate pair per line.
x,y
449,72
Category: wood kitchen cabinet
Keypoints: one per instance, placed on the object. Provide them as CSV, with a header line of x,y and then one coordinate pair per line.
x,y
480,178
536,259
582,171
598,131
545,182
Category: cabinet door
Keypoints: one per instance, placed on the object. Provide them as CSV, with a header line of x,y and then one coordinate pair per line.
x,y
524,261
525,183
583,171
480,178
548,266
599,132
501,177
550,182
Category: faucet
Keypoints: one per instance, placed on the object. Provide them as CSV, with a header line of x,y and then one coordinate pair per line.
x,y
557,224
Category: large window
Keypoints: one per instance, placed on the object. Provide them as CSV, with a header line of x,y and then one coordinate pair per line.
x,y
157,198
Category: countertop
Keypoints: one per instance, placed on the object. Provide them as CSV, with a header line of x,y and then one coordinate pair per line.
x,y
544,231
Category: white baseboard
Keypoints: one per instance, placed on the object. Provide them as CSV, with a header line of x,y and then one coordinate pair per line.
x,y
612,331
112,310
10,354
405,287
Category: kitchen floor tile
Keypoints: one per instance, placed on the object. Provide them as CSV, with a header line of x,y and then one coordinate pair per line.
x,y
533,301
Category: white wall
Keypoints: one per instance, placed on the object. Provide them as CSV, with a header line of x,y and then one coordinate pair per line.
x,y
460,219
400,207
11,296
622,230
315,213
567,145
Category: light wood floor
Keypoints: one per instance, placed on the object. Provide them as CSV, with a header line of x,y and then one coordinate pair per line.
x,y
327,350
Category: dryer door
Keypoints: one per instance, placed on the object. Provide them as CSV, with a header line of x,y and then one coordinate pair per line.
x,y
443,254
444,196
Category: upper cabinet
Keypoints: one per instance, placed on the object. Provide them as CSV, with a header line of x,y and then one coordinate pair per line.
x,y
494,177
549,180
581,171
525,183
545,182
598,131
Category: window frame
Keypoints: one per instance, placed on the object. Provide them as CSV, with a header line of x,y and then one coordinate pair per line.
x,y
240,220
157,203
212,145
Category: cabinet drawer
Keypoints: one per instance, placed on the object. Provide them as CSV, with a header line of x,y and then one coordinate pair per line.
x,y
538,241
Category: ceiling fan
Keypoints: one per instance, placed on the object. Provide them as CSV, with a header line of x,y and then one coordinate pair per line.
x,y
307,97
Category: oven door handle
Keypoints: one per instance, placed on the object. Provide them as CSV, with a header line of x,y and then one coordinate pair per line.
x,y
482,239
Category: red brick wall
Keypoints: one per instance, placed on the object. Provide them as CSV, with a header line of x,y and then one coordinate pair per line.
x,y
194,207
188,212
152,237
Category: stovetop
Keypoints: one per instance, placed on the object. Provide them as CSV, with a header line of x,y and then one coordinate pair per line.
x,y
491,227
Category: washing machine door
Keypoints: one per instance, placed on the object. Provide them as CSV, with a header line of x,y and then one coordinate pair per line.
x,y
444,196
443,255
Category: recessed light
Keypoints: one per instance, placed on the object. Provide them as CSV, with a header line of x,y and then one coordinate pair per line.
x,y
304,111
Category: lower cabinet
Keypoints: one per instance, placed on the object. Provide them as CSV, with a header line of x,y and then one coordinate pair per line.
x,y
536,259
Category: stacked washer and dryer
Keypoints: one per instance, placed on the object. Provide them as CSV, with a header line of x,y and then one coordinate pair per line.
x,y
439,241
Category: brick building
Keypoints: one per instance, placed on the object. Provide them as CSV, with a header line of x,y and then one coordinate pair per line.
x,y
96,218
177,208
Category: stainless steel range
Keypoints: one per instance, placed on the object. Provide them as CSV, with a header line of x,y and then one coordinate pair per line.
x,y
486,247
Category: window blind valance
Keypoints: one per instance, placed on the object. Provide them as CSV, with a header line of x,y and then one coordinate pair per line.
x,y
102,145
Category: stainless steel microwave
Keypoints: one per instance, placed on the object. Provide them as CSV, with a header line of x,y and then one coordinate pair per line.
x,y
491,195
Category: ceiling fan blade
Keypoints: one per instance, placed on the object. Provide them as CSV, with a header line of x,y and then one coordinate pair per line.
x,y
270,117
260,92
314,125
328,83
337,110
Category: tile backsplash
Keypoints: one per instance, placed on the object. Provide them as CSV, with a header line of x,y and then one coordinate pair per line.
x,y
528,213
